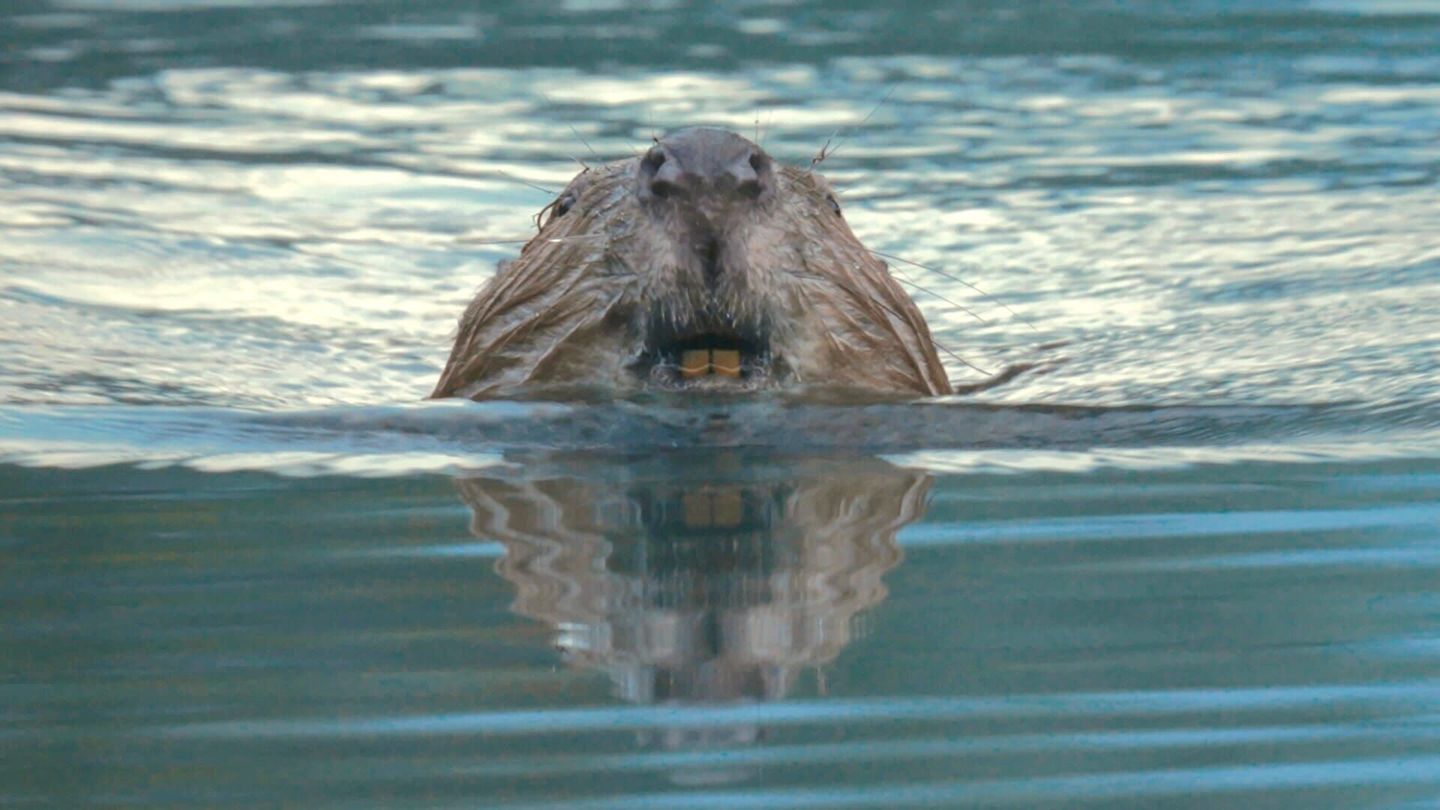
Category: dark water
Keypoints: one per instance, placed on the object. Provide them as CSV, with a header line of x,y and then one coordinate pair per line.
x,y
1191,562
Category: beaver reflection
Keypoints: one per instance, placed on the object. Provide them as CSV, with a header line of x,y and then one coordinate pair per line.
x,y
685,583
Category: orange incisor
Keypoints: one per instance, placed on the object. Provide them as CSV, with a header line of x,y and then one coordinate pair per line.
x,y
700,362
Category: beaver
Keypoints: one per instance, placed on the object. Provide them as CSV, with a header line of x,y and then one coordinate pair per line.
x,y
702,265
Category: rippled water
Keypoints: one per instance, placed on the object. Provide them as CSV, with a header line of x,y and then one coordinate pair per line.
x,y
1190,562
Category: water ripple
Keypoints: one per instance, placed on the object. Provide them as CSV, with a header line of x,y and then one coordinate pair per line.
x,y
1114,705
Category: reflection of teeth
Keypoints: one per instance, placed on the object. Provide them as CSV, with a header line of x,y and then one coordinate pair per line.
x,y
724,509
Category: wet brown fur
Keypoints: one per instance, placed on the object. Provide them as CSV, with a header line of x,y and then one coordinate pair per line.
x,y
575,308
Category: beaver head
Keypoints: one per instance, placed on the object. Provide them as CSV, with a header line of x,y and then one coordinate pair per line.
x,y
701,265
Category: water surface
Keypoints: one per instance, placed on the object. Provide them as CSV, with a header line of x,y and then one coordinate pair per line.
x,y
1190,561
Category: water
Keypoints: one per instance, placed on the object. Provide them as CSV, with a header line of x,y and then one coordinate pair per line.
x,y
1190,562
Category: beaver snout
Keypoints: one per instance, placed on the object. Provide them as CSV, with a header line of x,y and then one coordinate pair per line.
x,y
708,168
700,183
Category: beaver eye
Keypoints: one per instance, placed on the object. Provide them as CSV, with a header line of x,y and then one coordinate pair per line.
x,y
559,208
833,203
564,204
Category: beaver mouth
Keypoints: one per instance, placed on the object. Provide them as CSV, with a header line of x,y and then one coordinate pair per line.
x,y
712,347
720,360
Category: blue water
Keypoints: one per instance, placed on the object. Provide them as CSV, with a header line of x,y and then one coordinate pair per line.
x,y
1189,561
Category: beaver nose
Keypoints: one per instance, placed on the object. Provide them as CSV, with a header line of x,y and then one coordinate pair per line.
x,y
702,162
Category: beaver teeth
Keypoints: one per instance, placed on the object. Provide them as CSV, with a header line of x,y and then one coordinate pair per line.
x,y
701,362
705,361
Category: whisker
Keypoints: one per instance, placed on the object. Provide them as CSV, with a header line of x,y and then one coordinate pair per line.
x,y
826,150
596,155
937,271
935,342
942,347
513,178
578,137
972,313
554,240
822,154
466,240
1006,375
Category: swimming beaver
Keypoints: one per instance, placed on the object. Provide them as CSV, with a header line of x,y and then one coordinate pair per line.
x,y
701,265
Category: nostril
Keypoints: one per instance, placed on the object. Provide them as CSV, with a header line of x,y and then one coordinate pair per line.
x,y
750,175
660,175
